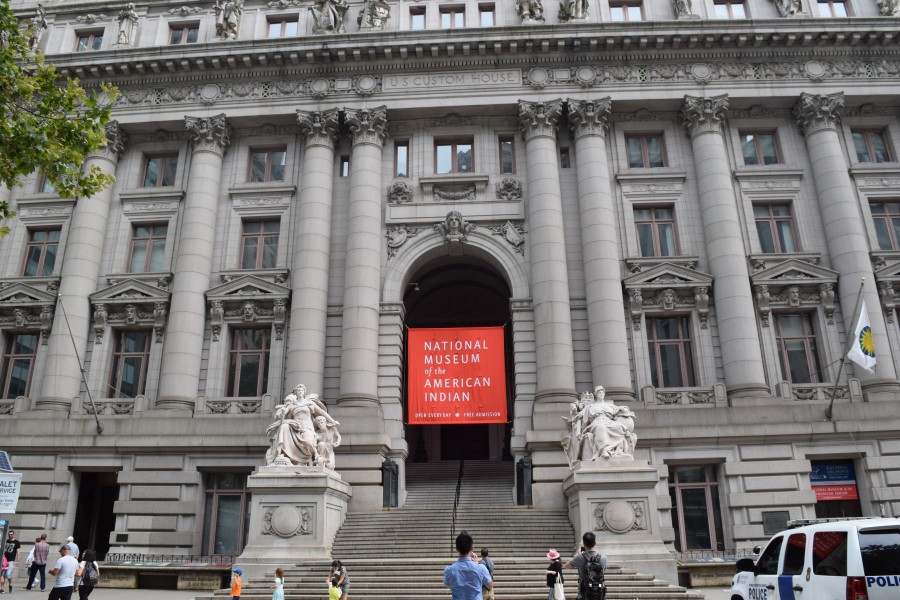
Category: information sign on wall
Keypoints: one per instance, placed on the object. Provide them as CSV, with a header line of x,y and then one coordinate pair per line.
x,y
10,484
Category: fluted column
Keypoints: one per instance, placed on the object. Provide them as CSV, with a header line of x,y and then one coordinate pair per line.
x,y
362,271
607,333
79,274
738,333
180,377
845,231
312,247
547,250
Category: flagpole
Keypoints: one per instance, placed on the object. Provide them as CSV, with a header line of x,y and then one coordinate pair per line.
x,y
829,411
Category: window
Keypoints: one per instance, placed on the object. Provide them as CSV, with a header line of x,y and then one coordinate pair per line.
x,y
798,350
159,170
486,13
564,158
880,550
794,554
40,254
18,359
730,9
129,367
775,226
830,556
45,186
645,151
768,561
886,217
671,355
453,17
697,518
183,34
871,146
345,166
417,18
401,159
226,518
656,230
507,155
259,244
625,11
248,363
148,248
282,27
453,157
267,165
832,8
88,41
759,148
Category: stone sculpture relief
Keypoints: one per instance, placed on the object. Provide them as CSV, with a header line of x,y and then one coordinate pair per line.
x,y
530,11
328,16
789,8
303,432
454,228
598,429
228,18
128,22
399,192
374,15
889,8
682,8
573,10
36,29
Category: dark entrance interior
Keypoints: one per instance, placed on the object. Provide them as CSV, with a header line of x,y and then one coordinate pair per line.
x,y
460,292
94,517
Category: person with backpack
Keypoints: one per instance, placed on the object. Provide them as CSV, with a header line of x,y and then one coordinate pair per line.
x,y
591,567
89,573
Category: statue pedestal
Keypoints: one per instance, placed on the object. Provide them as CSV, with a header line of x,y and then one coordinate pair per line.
x,y
618,500
295,513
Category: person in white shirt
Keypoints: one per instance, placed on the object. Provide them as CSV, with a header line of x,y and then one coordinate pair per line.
x,y
73,547
65,576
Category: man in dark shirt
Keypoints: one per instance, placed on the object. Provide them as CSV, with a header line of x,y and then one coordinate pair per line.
x,y
11,552
579,561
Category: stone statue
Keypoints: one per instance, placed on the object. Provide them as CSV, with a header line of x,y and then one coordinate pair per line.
x,y
598,429
889,8
36,29
294,437
228,18
328,439
374,15
682,8
128,21
570,10
328,15
454,228
789,8
530,10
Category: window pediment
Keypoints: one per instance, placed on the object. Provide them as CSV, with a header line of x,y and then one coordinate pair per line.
x,y
794,283
130,302
248,299
887,276
668,286
23,305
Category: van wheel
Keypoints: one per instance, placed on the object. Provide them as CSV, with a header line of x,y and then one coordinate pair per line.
x,y
736,597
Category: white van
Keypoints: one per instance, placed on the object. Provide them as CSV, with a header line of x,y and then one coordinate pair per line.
x,y
829,559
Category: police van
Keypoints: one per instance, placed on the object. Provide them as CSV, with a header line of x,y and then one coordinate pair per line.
x,y
826,559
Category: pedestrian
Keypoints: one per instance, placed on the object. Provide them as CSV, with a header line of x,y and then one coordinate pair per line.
x,y
41,553
583,560
487,593
554,575
3,566
64,570
73,547
11,554
339,578
236,584
466,577
278,588
89,572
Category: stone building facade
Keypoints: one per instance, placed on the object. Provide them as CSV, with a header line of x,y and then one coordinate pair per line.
x,y
676,200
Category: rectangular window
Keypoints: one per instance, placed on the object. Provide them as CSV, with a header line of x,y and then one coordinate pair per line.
x,y
401,159
131,355
564,158
759,148
775,226
226,519
671,351
259,244
40,253
345,166
645,151
417,18
625,11
730,9
697,517
88,41
486,14
871,146
507,154
798,349
794,555
886,217
832,8
159,170
45,186
248,363
18,360
282,27
656,230
183,34
148,248
453,17
830,557
453,157
267,165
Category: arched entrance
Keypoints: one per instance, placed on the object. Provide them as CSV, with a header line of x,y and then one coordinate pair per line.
x,y
453,291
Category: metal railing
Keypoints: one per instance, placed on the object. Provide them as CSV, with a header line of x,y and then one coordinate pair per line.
x,y
713,555
456,506
183,559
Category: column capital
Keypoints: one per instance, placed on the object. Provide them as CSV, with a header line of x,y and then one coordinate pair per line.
x,y
539,119
116,138
319,128
367,125
208,134
703,115
814,111
589,117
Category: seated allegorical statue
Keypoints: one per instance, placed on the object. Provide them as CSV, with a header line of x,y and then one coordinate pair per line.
x,y
294,438
598,429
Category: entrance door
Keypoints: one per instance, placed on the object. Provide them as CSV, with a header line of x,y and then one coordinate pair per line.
x,y
464,441
94,516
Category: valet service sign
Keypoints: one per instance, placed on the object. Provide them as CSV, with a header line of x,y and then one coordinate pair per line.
x,y
456,376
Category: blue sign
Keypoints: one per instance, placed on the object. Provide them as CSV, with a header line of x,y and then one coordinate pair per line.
x,y
842,471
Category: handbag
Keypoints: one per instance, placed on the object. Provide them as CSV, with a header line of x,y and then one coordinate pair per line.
x,y
559,592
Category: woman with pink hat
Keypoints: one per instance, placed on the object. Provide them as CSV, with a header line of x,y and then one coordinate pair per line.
x,y
555,577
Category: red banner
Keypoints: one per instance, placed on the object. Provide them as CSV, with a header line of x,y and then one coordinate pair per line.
x,y
835,492
456,376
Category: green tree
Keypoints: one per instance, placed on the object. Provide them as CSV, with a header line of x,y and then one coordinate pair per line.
x,y
47,123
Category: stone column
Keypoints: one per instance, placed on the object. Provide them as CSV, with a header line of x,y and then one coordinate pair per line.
x,y
79,274
362,268
180,374
312,248
845,232
607,332
738,333
547,250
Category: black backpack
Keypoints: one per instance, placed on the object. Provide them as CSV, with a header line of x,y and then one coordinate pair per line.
x,y
593,586
91,575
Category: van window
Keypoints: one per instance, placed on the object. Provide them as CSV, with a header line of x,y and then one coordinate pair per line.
x,y
830,553
880,549
794,554
768,562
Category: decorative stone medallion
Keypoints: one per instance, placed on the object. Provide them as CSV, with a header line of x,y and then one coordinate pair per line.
x,y
619,516
287,521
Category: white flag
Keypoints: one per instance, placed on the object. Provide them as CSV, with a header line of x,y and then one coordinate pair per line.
x,y
863,350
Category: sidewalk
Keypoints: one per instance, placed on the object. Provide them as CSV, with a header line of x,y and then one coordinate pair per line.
x,y
108,594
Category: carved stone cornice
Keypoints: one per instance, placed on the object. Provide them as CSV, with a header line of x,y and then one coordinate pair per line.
x,y
814,112
208,134
539,119
319,128
703,115
367,125
116,138
589,117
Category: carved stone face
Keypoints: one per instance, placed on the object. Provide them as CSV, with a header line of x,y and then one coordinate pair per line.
x,y
300,391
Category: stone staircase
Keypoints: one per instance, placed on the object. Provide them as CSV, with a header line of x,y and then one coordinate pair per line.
x,y
401,553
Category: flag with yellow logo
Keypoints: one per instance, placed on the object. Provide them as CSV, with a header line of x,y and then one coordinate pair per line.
x,y
862,352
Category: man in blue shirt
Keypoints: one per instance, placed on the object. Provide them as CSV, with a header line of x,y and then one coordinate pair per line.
x,y
465,577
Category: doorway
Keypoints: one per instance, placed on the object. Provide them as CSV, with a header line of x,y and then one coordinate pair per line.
x,y
94,516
